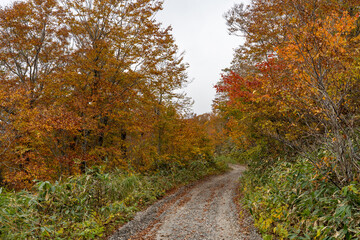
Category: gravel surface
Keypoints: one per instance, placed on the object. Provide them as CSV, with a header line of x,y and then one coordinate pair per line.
x,y
205,210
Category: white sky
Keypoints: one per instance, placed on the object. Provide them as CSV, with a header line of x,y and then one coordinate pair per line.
x,y
201,32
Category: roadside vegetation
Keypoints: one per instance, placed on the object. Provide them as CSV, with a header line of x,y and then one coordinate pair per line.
x,y
290,106
93,126
93,123
92,205
294,200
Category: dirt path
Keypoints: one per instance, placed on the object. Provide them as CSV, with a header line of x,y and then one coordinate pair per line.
x,y
203,211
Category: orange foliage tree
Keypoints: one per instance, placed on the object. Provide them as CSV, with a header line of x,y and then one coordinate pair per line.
x,y
88,83
296,78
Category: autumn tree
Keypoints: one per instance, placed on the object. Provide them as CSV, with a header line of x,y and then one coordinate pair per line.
x,y
88,83
33,42
124,67
295,80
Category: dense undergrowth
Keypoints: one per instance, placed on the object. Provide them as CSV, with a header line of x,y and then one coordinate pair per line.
x,y
291,200
90,206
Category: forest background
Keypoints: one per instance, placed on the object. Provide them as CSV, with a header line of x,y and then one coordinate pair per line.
x,y
91,83
290,100
93,127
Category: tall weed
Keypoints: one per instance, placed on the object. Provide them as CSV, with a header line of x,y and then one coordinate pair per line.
x,y
292,201
88,206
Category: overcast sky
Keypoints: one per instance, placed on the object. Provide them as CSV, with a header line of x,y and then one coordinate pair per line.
x,y
200,31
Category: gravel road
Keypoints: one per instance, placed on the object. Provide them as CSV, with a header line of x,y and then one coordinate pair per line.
x,y
202,211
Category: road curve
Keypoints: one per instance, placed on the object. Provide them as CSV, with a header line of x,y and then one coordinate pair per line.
x,y
204,211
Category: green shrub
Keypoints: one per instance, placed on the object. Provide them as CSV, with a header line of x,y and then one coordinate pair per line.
x,y
88,206
292,201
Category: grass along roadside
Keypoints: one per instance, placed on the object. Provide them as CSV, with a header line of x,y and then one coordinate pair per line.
x,y
292,201
90,206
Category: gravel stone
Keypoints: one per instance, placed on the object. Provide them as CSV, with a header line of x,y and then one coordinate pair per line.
x,y
202,211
